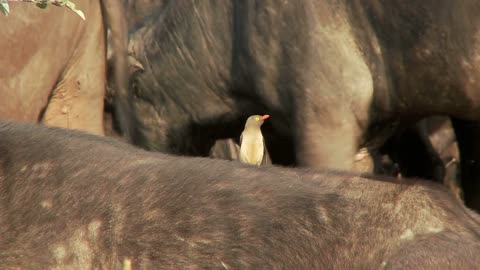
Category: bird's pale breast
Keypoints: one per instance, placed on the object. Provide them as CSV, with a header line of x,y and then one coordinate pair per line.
x,y
251,150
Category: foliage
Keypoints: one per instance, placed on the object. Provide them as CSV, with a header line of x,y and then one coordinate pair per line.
x,y
42,4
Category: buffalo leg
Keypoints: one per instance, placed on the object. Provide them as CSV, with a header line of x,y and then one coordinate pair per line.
x,y
333,146
468,137
414,153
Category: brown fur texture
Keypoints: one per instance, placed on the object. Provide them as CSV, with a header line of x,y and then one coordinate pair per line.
x,y
70,200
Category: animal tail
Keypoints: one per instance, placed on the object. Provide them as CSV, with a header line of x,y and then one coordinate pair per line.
x,y
115,19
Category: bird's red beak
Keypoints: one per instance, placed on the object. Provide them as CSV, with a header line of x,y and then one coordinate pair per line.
x,y
265,117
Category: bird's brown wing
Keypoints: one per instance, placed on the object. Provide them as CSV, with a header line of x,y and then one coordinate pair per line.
x,y
266,156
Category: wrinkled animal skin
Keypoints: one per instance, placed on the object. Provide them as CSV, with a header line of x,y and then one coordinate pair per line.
x,y
52,68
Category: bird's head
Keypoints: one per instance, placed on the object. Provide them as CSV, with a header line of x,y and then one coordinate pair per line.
x,y
256,120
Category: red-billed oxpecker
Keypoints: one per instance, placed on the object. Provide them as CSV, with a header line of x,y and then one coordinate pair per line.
x,y
252,144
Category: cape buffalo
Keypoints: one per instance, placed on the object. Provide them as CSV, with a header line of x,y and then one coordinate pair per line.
x,y
334,76
71,200
428,150
136,11
52,68
418,151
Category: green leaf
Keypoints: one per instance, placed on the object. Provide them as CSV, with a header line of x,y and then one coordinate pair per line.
x,y
4,7
72,6
42,5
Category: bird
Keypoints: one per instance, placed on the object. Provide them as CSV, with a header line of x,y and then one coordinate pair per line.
x,y
252,143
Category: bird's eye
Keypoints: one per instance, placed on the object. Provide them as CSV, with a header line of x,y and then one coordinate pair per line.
x,y
257,118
